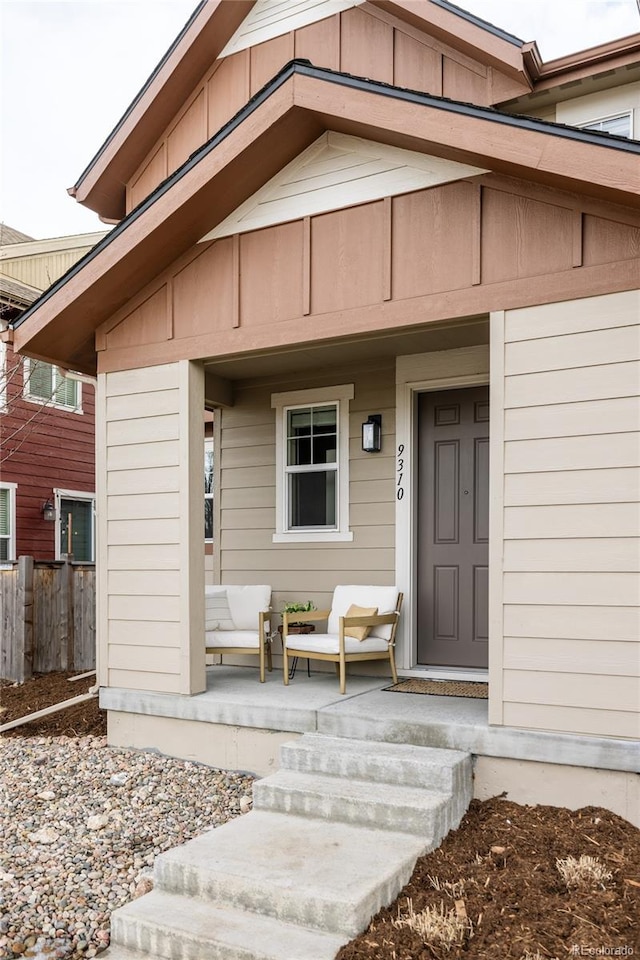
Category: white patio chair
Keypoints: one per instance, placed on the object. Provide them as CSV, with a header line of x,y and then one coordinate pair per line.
x,y
367,632
238,621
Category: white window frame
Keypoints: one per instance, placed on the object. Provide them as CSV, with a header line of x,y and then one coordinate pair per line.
x,y
31,398
282,402
60,495
590,124
11,539
209,444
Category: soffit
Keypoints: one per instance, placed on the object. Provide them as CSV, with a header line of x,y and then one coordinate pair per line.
x,y
287,118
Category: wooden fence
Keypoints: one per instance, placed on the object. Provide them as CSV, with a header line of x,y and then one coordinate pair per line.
x,y
47,617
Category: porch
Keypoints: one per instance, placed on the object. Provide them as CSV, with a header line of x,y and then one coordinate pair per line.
x,y
238,723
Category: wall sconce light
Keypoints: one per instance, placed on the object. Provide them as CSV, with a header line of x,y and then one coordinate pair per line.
x,y
48,511
372,433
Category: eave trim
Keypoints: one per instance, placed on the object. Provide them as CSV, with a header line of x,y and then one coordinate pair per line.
x,y
479,22
305,68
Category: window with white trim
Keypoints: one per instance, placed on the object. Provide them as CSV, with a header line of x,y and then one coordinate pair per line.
x,y
75,525
620,125
208,489
7,521
312,464
44,383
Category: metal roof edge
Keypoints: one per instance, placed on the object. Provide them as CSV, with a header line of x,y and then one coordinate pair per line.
x,y
479,22
306,68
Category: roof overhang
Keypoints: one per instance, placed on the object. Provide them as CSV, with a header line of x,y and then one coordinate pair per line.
x,y
101,186
286,117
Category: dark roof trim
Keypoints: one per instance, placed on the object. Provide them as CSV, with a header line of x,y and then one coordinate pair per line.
x,y
478,22
305,68
140,94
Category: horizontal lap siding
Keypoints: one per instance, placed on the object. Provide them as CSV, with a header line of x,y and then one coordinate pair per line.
x,y
571,517
248,496
142,524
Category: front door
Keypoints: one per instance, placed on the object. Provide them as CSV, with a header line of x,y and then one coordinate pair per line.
x,y
453,527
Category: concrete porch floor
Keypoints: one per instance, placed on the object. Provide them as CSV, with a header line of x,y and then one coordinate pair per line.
x,y
235,698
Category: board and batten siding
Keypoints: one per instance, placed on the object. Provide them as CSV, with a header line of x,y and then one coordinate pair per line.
x,y
151,615
247,507
565,593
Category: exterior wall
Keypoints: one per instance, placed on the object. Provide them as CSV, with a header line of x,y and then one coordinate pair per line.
x,y
247,502
605,103
565,593
40,262
456,250
42,447
364,41
150,509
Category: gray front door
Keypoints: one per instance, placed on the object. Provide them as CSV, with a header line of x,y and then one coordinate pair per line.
x,y
453,527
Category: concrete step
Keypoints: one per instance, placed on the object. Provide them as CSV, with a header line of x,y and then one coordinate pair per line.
x,y
402,764
380,806
315,873
171,927
117,952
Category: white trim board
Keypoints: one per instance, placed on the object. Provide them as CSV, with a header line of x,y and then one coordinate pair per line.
x,y
339,171
273,18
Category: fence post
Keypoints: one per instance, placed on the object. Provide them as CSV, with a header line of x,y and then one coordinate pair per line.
x,y
66,611
24,620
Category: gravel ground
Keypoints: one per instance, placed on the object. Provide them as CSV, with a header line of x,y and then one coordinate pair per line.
x,y
80,826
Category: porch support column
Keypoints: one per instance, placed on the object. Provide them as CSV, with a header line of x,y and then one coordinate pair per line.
x,y
150,440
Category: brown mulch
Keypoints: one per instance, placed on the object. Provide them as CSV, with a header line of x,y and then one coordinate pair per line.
x,y
43,690
503,854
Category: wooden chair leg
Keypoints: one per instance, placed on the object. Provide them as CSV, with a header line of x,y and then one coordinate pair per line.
x,y
392,661
285,663
261,655
269,660
343,676
337,666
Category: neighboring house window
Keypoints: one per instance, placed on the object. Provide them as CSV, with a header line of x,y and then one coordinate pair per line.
x,y
620,125
7,521
75,525
44,383
312,464
208,488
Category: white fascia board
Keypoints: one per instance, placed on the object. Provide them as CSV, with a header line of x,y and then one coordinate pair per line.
x,y
339,171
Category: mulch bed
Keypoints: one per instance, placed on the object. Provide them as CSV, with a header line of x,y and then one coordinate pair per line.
x,y
43,690
499,868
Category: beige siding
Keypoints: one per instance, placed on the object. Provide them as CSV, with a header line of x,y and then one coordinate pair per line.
x,y
567,600
248,495
150,512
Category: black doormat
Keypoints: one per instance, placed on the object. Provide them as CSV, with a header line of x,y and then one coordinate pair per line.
x,y
442,688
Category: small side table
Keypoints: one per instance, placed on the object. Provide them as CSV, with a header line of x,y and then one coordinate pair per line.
x,y
301,628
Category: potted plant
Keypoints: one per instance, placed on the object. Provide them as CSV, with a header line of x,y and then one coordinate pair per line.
x,y
299,626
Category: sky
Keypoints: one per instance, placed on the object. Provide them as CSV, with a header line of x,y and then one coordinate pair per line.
x,y
70,68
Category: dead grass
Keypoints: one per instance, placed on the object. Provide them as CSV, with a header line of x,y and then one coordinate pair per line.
x,y
584,871
437,926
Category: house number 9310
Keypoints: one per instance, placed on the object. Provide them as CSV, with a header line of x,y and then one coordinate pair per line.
x,y
400,472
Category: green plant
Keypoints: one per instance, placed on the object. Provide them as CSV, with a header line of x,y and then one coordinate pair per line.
x,y
298,607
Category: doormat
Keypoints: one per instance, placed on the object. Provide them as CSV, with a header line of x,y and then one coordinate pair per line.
x,y
442,688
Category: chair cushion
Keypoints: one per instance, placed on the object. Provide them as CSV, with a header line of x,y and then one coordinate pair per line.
x,y
246,602
329,643
217,615
359,633
384,598
232,638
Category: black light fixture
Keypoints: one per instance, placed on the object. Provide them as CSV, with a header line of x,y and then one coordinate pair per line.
x,y
48,511
372,433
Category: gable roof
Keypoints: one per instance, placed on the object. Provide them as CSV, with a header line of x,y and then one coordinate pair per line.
x,y
10,235
277,125
101,184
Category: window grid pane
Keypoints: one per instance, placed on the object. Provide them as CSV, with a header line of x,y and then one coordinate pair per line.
x,y
312,467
